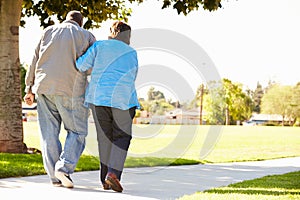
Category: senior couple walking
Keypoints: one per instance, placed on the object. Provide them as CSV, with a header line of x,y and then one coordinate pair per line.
x,y
58,79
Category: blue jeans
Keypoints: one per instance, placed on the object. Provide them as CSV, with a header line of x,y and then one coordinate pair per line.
x,y
53,110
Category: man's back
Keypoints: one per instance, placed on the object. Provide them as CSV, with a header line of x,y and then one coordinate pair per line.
x,y
59,48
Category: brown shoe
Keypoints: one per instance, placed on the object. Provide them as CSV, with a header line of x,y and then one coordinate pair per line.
x,y
113,182
106,186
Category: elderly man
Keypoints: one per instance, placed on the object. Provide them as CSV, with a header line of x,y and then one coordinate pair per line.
x,y
59,88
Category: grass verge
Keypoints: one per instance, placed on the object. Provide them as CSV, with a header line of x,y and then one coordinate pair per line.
x,y
273,187
17,165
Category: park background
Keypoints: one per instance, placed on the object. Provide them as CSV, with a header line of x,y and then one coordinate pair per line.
x,y
251,43
258,41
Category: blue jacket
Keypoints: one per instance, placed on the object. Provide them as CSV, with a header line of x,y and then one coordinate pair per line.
x,y
114,69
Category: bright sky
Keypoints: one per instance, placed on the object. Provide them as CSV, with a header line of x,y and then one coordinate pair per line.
x,y
249,41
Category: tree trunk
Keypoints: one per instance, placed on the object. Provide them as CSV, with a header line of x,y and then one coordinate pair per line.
x,y
201,104
227,116
11,126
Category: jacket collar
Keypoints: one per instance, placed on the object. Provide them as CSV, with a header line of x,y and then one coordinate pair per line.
x,y
72,22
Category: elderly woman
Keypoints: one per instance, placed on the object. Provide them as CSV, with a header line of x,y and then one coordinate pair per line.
x,y
112,97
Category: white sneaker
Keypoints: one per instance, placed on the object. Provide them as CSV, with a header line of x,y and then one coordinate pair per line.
x,y
65,179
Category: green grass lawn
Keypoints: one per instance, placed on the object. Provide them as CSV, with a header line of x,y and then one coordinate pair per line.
x,y
275,187
233,143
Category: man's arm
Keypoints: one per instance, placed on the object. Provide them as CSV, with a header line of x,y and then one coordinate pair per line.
x,y
30,76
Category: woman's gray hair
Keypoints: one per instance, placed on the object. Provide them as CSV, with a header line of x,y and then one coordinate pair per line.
x,y
120,31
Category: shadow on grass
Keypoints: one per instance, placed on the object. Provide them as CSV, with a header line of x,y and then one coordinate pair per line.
x,y
18,165
87,163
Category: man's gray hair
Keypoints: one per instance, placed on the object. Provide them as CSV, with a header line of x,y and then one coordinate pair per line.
x,y
75,16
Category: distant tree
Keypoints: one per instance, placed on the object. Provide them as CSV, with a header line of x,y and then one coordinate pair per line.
x,y
160,107
271,83
175,104
227,103
144,104
156,102
243,107
155,94
195,103
278,100
257,96
295,102
238,103
214,104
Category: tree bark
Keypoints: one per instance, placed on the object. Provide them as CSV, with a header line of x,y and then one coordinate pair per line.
x,y
11,126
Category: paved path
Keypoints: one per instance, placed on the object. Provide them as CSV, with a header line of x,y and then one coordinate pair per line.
x,y
147,183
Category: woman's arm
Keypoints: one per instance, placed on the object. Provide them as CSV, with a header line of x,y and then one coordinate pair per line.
x,y
86,61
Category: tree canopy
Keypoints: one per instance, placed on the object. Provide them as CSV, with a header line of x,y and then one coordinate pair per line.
x,y
97,11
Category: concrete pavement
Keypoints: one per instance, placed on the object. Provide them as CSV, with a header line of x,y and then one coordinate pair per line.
x,y
147,183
